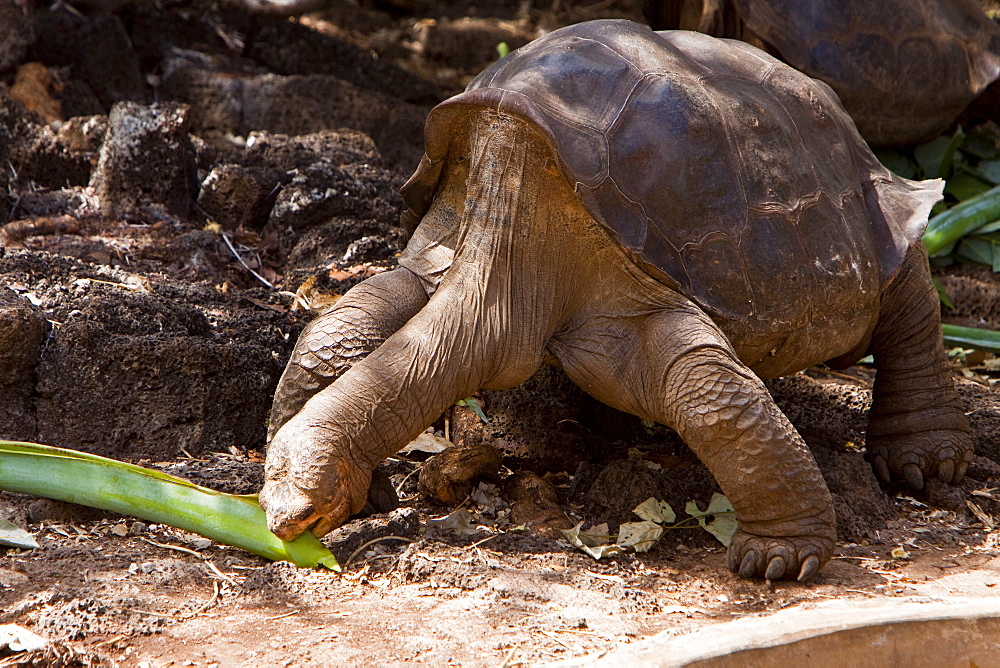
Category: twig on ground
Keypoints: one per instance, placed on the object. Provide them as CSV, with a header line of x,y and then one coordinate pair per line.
x,y
232,249
556,638
358,551
219,573
173,547
510,655
399,487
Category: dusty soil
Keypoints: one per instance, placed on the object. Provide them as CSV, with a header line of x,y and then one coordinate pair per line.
x,y
187,181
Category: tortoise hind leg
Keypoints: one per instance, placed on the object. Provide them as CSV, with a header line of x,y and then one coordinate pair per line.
x,y
916,426
331,343
677,368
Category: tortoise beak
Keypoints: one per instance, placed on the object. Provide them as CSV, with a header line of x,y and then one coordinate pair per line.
x,y
289,513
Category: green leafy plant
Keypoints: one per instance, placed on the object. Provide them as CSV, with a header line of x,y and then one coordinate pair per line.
x,y
966,225
974,219
956,336
473,404
108,484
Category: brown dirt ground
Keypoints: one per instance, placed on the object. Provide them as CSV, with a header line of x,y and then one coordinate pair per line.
x,y
154,344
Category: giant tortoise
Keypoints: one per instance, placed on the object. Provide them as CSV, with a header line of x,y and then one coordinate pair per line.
x,y
904,69
668,217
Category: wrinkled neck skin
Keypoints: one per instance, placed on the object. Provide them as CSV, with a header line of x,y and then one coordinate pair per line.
x,y
515,227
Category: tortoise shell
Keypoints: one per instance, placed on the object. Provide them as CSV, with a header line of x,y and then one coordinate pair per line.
x,y
905,69
716,166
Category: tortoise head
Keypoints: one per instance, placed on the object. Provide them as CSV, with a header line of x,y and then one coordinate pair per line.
x,y
305,487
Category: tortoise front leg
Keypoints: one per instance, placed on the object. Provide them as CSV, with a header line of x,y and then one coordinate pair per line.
x,y
677,368
916,426
330,344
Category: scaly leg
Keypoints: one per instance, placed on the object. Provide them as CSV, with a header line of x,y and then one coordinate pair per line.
x,y
356,325
677,368
916,426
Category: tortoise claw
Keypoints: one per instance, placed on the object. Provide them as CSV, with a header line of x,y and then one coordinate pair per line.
x,y
778,558
881,466
775,568
944,455
960,469
810,565
946,470
749,566
914,477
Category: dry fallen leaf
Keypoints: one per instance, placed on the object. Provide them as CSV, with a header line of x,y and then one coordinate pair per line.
x,y
427,442
640,536
723,524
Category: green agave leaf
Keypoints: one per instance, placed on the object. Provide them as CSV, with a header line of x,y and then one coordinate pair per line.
x,y
99,482
956,336
962,219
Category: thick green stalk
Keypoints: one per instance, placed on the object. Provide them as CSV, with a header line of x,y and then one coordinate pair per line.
x,y
949,226
90,480
956,336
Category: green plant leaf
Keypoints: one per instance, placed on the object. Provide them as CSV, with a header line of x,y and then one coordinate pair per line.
x,y
897,162
965,186
722,524
503,49
936,156
108,484
956,336
962,219
975,250
989,228
990,170
943,296
473,404
981,142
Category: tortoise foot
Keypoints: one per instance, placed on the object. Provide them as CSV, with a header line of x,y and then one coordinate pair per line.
x,y
772,558
447,477
382,497
944,454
